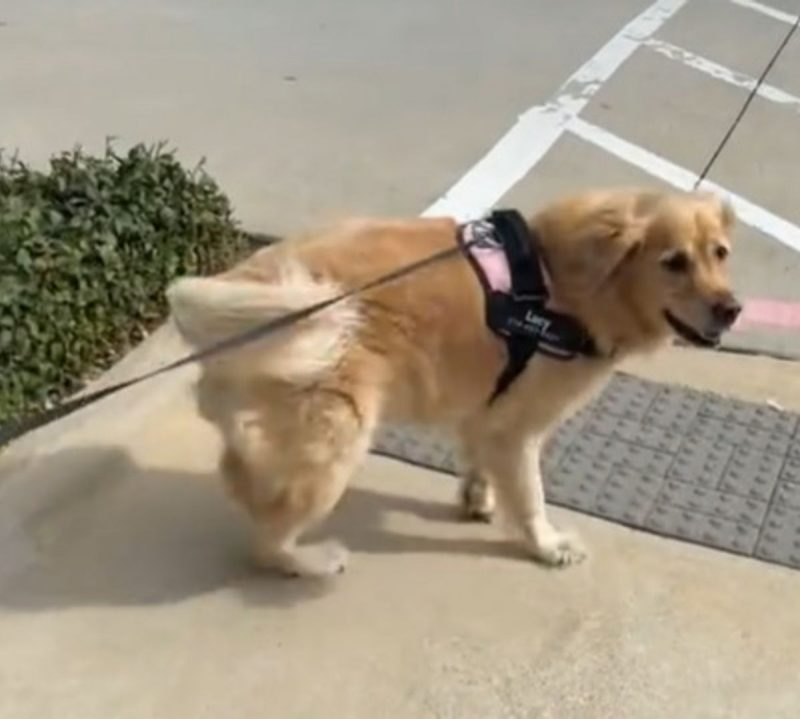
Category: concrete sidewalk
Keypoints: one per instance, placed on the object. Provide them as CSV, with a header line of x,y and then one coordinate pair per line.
x,y
126,591
125,587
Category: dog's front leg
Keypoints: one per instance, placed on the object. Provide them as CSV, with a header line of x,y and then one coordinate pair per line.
x,y
513,467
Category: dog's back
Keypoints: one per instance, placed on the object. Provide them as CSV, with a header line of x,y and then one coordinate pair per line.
x,y
409,326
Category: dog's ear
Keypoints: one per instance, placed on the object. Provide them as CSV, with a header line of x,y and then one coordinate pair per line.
x,y
727,214
609,237
723,207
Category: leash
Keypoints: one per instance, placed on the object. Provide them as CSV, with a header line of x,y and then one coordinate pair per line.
x,y
753,92
16,428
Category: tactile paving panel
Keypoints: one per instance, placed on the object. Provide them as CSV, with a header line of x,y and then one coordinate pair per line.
x,y
674,461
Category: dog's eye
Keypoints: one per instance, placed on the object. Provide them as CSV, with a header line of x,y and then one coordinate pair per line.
x,y
721,252
677,262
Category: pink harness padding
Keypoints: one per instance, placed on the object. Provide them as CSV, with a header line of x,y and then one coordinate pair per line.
x,y
488,255
494,264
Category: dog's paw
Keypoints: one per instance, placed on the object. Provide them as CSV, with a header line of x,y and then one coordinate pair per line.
x,y
320,560
311,561
476,499
560,549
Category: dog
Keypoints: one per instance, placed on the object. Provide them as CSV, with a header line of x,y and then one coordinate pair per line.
x,y
297,411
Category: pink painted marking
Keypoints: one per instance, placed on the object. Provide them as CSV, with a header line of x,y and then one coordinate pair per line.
x,y
775,313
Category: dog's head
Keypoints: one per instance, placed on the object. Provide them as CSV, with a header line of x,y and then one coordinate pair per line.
x,y
654,264
684,268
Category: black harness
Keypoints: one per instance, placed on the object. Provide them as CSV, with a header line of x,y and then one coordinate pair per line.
x,y
521,317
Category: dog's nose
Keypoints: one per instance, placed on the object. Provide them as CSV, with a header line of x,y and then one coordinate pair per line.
x,y
726,312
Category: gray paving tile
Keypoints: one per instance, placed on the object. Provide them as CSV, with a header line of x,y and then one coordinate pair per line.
x,y
713,503
780,537
698,528
701,462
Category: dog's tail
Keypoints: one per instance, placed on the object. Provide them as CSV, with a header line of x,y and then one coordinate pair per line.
x,y
208,310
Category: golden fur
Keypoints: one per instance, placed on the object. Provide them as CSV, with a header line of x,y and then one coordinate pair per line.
x,y
298,411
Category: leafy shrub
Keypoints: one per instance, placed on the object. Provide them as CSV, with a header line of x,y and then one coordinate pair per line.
x,y
86,251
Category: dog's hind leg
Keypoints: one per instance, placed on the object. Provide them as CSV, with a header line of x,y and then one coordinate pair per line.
x,y
476,494
317,458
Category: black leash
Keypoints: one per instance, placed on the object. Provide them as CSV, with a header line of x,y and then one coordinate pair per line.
x,y
15,429
753,92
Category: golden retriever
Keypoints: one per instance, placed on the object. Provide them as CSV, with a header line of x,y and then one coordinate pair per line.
x,y
297,411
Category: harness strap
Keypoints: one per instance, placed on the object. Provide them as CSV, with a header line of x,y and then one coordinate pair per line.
x,y
520,351
520,316
527,279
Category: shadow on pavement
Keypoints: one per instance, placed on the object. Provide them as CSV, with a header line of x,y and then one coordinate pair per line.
x,y
103,531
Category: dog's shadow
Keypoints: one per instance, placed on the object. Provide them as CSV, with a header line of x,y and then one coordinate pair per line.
x,y
107,532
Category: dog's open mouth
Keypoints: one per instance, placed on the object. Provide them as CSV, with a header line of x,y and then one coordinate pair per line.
x,y
690,334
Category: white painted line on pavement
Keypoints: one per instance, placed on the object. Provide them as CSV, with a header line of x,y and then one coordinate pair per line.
x,y
748,212
536,130
720,72
767,10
